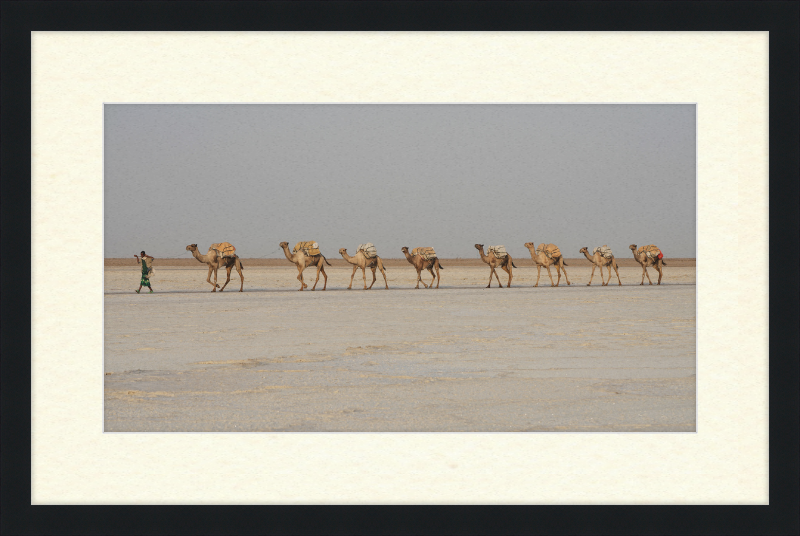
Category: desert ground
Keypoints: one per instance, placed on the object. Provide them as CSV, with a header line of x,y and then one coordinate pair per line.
x,y
461,358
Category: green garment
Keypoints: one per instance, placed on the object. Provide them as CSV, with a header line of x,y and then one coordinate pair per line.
x,y
145,270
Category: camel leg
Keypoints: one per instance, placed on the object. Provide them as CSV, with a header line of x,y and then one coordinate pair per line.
x,y
373,278
433,277
438,277
551,276
300,277
319,268
508,269
592,276
561,264
322,269
364,276
491,271
214,284
494,271
228,269
241,276
385,281
660,273
352,276
216,273
617,272
645,273
538,274
419,279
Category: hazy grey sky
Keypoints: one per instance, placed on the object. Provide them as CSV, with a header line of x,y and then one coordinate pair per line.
x,y
397,175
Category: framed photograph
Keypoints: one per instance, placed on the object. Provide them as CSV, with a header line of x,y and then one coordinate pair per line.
x,y
729,66
565,356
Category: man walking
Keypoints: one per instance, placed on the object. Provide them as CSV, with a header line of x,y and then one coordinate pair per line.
x,y
145,282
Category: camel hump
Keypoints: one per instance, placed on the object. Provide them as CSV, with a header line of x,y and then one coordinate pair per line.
x,y
309,248
223,249
369,249
426,253
499,251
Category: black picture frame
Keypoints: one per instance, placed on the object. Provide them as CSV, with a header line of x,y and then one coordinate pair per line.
x,y
781,19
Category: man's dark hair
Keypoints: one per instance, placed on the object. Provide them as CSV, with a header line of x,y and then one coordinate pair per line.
x,y
142,253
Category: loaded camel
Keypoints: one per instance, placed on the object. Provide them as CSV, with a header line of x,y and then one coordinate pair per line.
x,y
361,261
215,262
302,261
543,260
505,263
598,260
421,263
643,259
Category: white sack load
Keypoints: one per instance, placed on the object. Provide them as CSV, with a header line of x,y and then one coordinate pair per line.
x,y
369,249
605,251
499,251
425,253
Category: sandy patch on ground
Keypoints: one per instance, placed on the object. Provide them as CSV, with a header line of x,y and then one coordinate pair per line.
x,y
460,358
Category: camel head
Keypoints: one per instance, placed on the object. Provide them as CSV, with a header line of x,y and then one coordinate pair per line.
x,y
584,250
342,251
284,244
633,247
529,245
404,249
479,246
191,247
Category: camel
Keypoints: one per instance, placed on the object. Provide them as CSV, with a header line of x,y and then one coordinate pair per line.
x,y
421,263
215,262
646,261
505,263
361,261
543,260
598,260
301,261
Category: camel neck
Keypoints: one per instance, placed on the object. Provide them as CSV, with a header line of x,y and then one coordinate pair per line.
x,y
286,252
202,258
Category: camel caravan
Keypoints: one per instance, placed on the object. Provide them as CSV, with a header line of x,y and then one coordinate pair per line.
x,y
307,254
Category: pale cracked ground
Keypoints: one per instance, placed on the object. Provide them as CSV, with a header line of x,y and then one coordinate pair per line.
x,y
460,359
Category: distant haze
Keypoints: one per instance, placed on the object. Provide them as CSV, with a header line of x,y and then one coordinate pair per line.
x,y
440,175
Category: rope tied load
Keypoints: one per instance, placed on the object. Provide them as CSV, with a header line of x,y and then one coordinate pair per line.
x,y
425,253
604,250
369,249
223,249
550,250
499,251
309,248
651,251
